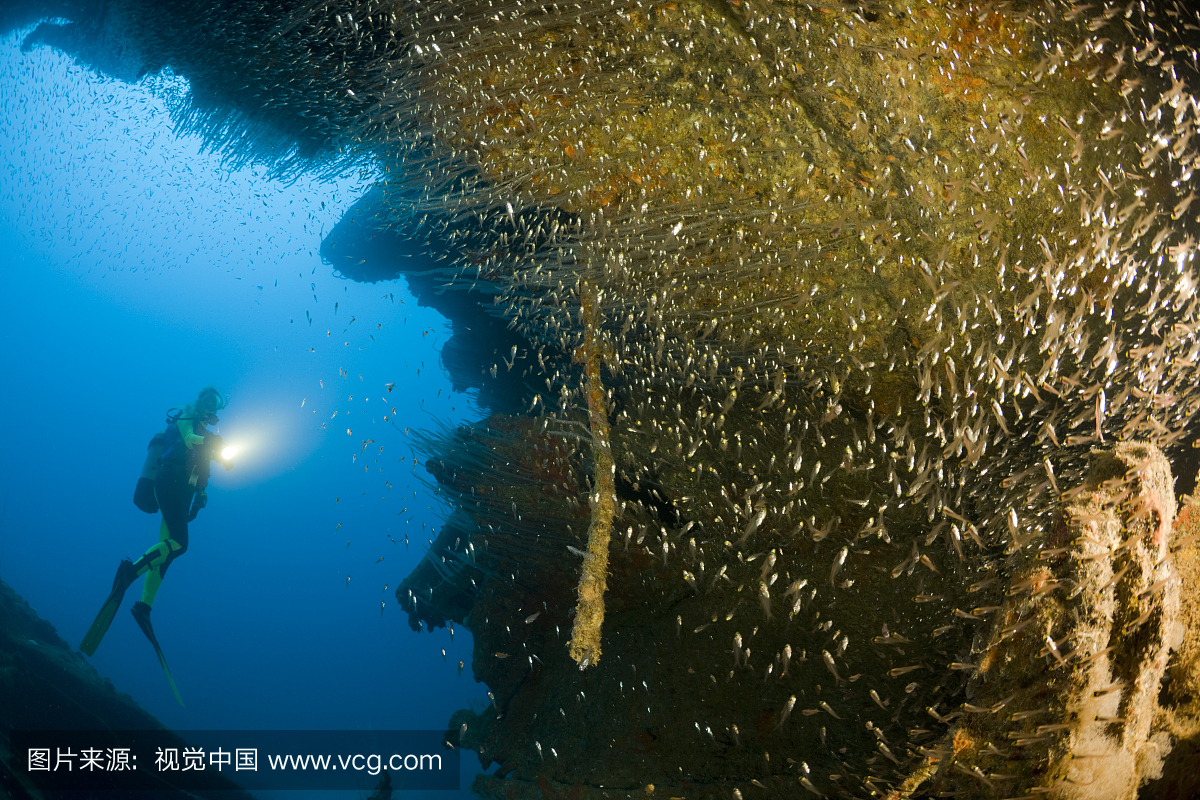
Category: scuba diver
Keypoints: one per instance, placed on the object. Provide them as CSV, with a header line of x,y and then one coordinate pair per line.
x,y
174,479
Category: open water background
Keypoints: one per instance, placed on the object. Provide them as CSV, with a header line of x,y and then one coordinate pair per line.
x,y
135,269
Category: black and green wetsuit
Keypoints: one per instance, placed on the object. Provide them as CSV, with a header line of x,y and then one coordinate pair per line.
x,y
180,477
182,474
179,489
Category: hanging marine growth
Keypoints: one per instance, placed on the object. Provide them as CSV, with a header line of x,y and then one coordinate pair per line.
x,y
871,284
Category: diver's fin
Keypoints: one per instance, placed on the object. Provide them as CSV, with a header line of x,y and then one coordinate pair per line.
x,y
141,613
126,574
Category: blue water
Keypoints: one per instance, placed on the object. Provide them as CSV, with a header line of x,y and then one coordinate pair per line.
x,y
135,269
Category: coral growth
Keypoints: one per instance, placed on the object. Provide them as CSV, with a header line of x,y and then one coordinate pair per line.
x,y
1100,603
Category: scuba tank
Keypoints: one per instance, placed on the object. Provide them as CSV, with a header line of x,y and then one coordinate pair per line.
x,y
143,494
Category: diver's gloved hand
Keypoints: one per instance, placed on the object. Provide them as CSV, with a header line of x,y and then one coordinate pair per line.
x,y
214,444
198,502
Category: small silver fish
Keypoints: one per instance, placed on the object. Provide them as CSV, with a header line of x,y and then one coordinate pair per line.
x,y
787,711
764,597
752,526
837,564
829,709
767,566
831,666
807,784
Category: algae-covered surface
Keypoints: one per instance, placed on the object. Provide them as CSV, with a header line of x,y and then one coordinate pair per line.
x,y
875,281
